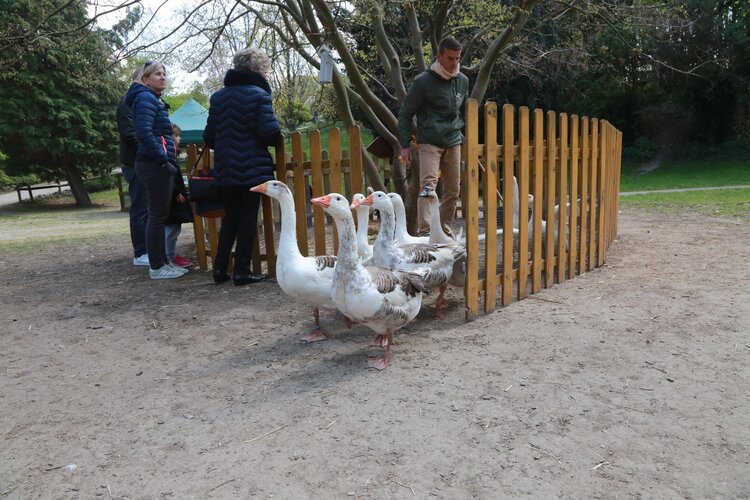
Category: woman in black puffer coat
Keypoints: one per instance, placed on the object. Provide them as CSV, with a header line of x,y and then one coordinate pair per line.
x,y
241,126
155,162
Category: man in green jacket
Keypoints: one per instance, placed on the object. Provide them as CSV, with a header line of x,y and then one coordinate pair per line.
x,y
436,97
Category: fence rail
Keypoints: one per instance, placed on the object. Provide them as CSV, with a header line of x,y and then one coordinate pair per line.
x,y
558,178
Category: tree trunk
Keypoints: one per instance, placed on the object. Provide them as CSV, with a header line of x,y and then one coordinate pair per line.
x,y
371,171
75,181
398,175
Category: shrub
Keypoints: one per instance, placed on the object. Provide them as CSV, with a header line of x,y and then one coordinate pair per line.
x,y
9,182
642,149
103,183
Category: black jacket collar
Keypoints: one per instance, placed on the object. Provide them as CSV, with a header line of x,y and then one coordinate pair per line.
x,y
235,77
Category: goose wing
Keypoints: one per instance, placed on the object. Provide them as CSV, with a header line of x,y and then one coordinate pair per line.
x,y
387,281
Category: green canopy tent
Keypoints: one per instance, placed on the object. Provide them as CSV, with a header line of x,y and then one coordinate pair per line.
x,y
191,118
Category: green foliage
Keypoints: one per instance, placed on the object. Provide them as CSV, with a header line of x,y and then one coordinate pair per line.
x,y
642,149
8,182
366,134
59,97
99,184
292,102
175,101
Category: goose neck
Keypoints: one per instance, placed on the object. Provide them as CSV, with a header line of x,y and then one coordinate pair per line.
x,y
288,236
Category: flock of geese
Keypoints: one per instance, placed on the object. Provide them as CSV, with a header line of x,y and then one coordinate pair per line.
x,y
380,285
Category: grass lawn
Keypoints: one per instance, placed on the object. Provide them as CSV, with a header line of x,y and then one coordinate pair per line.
x,y
672,175
676,175
721,202
54,219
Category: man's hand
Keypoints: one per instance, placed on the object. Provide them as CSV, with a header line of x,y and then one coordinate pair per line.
x,y
405,156
181,199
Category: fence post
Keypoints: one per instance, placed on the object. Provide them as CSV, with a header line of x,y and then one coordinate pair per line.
x,y
471,213
489,196
574,167
316,169
602,192
549,247
508,204
593,192
334,175
536,254
585,160
300,198
523,200
562,196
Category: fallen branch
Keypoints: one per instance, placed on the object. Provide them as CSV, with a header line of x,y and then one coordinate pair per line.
x,y
222,484
545,300
8,431
651,365
405,486
266,434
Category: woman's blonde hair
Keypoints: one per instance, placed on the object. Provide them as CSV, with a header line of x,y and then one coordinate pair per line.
x,y
150,68
252,59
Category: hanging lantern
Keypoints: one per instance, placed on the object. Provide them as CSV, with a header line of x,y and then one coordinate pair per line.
x,y
326,64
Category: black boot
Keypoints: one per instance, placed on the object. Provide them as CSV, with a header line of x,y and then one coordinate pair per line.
x,y
220,276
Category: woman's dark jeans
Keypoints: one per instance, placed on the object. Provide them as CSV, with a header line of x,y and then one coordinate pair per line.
x,y
138,210
239,224
159,182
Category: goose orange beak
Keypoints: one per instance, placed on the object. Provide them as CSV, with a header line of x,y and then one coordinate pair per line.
x,y
322,201
367,201
261,188
355,204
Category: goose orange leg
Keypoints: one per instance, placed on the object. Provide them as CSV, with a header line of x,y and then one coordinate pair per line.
x,y
440,303
382,362
317,333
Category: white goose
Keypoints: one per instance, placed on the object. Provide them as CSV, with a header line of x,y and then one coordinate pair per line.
x,y
364,249
306,279
387,252
402,234
382,299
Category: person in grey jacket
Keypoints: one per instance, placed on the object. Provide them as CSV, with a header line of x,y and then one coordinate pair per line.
x,y
436,98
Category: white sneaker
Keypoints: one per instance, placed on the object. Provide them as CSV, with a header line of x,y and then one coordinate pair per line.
x,y
165,272
181,270
141,261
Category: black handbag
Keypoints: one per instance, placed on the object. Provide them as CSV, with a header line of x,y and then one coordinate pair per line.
x,y
204,193
202,188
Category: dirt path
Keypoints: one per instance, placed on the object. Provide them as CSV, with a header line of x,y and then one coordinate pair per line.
x,y
629,380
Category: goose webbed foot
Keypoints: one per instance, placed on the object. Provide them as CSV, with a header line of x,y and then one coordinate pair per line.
x,y
316,335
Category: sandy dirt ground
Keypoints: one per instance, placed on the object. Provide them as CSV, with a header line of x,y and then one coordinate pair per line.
x,y
629,381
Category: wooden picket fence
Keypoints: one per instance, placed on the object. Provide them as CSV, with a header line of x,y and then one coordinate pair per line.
x,y
571,163
564,161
